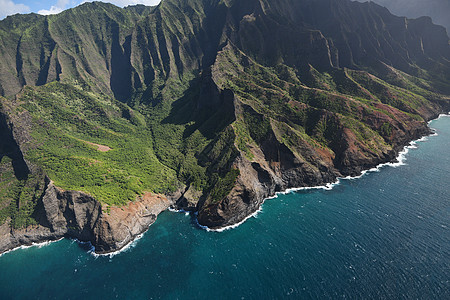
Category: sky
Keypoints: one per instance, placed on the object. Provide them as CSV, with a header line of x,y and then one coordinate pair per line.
x,y
438,10
46,7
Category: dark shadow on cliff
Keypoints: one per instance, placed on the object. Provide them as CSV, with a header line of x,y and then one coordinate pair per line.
x,y
39,213
9,148
203,107
121,68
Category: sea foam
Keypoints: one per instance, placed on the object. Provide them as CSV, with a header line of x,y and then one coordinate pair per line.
x,y
125,248
401,159
38,245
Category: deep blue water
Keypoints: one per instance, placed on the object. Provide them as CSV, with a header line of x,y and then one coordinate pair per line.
x,y
383,236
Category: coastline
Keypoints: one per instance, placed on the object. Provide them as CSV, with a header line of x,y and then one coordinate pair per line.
x,y
399,161
38,245
125,248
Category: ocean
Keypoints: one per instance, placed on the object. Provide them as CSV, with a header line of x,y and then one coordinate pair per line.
x,y
384,235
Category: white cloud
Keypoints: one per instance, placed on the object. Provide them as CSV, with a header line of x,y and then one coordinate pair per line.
x,y
52,11
8,8
55,9
134,2
123,3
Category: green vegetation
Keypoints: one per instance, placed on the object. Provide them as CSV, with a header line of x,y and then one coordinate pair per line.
x,y
386,129
155,150
223,186
19,197
73,119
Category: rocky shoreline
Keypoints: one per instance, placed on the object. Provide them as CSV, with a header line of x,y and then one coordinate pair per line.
x,y
74,214
77,215
325,185
232,101
262,178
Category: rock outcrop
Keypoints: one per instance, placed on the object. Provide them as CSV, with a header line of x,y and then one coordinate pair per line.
x,y
121,225
265,175
77,215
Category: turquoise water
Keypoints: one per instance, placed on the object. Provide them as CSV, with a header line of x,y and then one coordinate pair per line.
x,y
383,236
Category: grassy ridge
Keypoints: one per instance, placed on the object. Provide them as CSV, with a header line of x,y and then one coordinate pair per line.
x,y
315,113
157,150
68,120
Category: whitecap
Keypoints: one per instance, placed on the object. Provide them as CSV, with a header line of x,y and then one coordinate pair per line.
x,y
125,248
38,245
440,116
253,215
186,212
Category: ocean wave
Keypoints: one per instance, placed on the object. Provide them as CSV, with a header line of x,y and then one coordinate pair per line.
x,y
400,161
440,116
185,212
125,248
38,245
222,229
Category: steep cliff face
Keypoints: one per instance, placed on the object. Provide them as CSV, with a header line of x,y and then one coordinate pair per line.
x,y
278,156
122,52
216,104
77,215
121,225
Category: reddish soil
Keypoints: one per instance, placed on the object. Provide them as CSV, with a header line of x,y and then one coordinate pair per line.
x,y
100,148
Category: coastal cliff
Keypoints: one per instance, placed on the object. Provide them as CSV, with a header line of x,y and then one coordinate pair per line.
x,y
203,105
76,215
280,158
261,178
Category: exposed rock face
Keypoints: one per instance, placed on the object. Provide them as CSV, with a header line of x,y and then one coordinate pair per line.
x,y
189,200
276,168
69,212
77,215
122,224
262,178
11,239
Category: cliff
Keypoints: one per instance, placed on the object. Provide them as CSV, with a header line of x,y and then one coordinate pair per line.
x,y
76,215
56,213
214,104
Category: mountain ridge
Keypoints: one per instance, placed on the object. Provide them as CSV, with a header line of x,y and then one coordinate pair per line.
x,y
438,10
